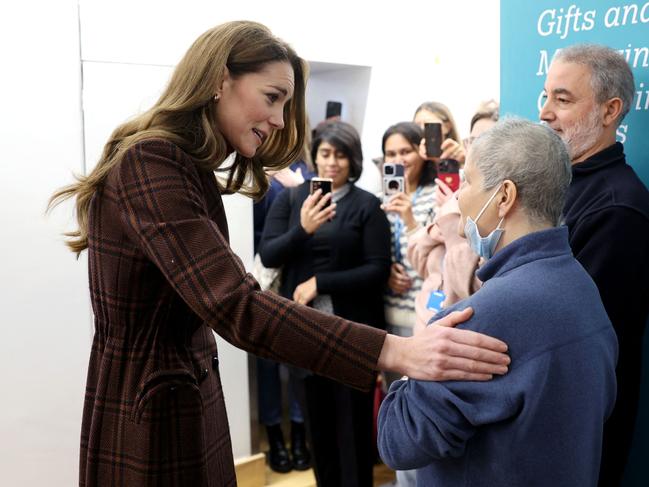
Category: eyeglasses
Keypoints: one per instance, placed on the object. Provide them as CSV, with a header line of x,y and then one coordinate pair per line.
x,y
468,141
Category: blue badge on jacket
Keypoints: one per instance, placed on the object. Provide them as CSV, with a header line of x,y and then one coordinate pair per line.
x,y
435,301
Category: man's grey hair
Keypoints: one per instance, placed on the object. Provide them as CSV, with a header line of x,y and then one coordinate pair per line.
x,y
534,158
611,76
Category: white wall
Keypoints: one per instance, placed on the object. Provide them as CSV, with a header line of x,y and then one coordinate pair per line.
x,y
346,84
45,325
416,51
349,85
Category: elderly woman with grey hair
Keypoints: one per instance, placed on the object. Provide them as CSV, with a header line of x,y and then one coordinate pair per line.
x,y
542,423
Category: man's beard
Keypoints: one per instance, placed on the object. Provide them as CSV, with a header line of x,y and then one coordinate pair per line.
x,y
583,135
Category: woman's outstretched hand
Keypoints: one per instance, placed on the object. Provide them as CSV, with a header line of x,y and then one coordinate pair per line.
x,y
441,352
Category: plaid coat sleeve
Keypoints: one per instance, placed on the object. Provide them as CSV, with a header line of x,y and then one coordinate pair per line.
x,y
162,196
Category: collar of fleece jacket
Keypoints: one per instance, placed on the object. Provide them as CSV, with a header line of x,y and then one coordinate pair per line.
x,y
611,155
534,246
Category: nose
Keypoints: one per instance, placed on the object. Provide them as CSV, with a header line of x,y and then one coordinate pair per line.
x,y
545,113
277,119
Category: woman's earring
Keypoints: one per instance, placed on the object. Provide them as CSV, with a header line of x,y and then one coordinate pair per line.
x,y
217,97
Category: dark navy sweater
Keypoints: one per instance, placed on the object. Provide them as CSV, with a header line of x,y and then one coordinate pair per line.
x,y
607,213
349,256
540,424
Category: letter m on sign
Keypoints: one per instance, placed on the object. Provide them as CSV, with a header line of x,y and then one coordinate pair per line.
x,y
544,62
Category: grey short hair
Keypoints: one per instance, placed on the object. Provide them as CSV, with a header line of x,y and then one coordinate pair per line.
x,y
611,76
533,157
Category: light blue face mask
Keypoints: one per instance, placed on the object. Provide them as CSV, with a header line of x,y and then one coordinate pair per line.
x,y
483,246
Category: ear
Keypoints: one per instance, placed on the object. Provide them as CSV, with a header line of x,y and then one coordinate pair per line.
x,y
507,198
612,110
225,82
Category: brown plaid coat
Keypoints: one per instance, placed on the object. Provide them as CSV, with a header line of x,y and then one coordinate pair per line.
x,y
162,276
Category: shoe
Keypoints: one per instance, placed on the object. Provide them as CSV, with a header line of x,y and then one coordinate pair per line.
x,y
278,457
299,451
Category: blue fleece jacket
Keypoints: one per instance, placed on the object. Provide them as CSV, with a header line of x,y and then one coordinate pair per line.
x,y
540,424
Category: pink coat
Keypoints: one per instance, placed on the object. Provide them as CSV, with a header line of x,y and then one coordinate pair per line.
x,y
444,260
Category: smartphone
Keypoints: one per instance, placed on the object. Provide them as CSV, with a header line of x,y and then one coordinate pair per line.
x,y
448,170
325,184
393,180
334,110
433,138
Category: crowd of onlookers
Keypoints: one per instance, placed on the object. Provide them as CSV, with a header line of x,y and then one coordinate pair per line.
x,y
510,270
534,194
376,262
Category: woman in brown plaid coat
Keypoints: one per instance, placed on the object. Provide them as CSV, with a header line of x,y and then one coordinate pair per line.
x,y
163,276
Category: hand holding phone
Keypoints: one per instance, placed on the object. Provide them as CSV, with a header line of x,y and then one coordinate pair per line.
x,y
443,194
448,171
394,180
452,149
324,184
317,211
395,198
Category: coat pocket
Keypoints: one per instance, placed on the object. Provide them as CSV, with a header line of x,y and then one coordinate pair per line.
x,y
166,391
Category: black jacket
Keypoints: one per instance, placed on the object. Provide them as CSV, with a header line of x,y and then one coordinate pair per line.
x,y
607,213
350,256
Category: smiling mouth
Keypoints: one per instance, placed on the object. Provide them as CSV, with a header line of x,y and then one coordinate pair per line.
x,y
260,135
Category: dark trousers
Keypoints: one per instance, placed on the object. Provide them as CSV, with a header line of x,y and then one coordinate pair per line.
x,y
269,390
340,423
620,426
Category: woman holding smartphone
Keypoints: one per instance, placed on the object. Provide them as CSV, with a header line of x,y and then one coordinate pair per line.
x,y
407,212
436,112
334,250
441,257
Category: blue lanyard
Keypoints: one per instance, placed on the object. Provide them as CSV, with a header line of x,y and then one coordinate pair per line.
x,y
398,228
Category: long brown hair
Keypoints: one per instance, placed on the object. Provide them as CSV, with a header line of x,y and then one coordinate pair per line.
x,y
184,115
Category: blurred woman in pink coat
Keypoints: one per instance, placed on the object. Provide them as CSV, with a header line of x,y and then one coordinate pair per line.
x,y
437,252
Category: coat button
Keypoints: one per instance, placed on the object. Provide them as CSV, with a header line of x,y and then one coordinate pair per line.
x,y
204,374
215,362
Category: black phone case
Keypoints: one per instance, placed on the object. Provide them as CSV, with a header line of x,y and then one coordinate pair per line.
x,y
316,184
433,137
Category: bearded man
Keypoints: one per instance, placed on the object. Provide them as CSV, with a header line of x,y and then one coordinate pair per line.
x,y
589,90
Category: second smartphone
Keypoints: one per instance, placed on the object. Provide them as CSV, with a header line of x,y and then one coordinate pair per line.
x,y
325,184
